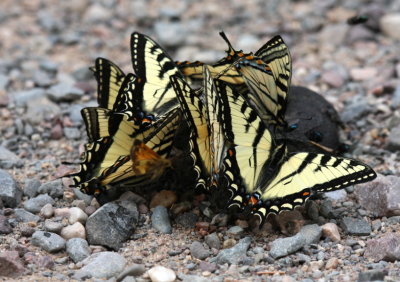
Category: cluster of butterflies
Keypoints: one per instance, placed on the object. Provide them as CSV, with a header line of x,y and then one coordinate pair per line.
x,y
237,128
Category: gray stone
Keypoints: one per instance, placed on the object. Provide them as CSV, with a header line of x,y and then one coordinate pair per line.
x,y
112,224
372,275
308,234
41,109
233,255
284,246
75,114
198,251
49,66
235,231
5,227
31,187
4,81
355,226
355,109
170,33
34,205
10,193
42,78
8,159
193,278
53,226
212,240
64,92
393,141
24,216
187,219
72,133
160,220
53,188
396,96
83,74
82,196
393,220
337,195
102,265
48,241
132,270
78,249
24,97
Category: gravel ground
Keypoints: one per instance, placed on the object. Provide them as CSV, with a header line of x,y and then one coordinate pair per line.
x,y
46,48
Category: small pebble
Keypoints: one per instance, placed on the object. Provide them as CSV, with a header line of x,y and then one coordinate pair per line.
x,y
76,230
160,273
77,215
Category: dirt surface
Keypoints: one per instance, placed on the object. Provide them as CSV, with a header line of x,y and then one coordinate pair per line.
x,y
355,67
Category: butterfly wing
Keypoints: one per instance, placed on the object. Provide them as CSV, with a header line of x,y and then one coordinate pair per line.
x,y
195,114
251,142
154,67
303,174
107,159
109,80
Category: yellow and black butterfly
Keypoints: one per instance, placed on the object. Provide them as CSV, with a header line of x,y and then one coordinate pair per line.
x,y
206,139
123,153
118,148
261,175
152,92
267,74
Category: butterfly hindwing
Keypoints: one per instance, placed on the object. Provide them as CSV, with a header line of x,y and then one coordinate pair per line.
x,y
260,173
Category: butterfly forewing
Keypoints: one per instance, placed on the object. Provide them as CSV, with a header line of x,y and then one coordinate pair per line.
x,y
154,68
251,141
196,117
109,80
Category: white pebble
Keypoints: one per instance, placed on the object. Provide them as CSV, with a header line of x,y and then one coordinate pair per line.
x,y
77,215
161,274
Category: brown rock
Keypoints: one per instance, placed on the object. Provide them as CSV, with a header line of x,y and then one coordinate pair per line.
x,y
386,248
164,198
381,197
331,231
332,263
290,222
10,264
76,230
332,78
61,212
359,74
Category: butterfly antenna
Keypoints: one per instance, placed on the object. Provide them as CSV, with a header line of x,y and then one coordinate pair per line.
x,y
231,51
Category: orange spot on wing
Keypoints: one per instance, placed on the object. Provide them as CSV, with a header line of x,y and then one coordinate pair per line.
x,y
253,200
306,194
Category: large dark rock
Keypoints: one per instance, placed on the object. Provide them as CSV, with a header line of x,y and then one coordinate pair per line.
x,y
112,224
316,120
